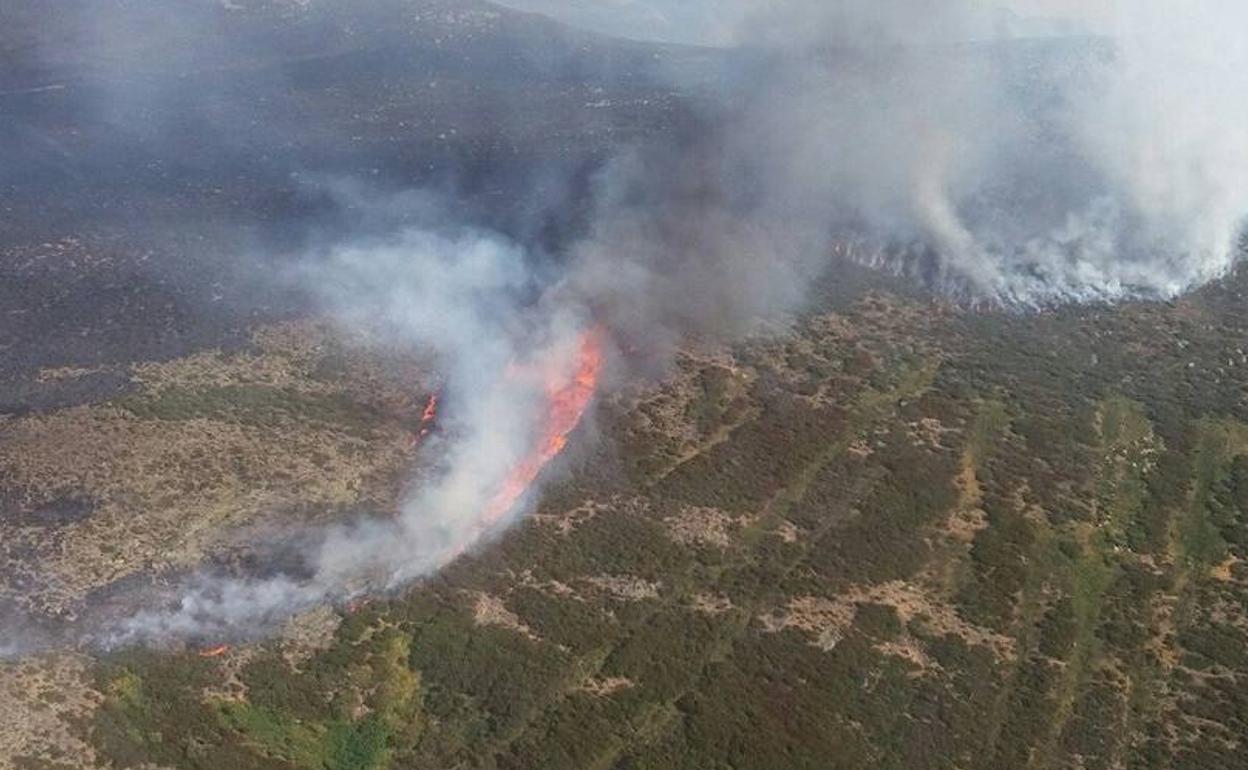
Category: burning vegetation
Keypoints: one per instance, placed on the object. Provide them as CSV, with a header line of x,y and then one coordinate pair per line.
x,y
567,399
568,395
214,652
430,414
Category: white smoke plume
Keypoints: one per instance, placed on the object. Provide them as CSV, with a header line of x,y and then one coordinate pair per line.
x,y
1026,171
468,299
1087,167
934,138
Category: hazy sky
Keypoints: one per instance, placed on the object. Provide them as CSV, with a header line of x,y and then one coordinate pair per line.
x,y
716,22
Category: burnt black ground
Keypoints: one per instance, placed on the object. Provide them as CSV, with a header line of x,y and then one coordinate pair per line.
x,y
157,169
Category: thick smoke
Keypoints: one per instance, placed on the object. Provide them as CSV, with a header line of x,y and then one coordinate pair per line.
x,y
1022,170
926,137
943,141
471,301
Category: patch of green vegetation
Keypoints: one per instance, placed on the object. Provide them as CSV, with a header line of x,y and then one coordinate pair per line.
x,y
991,419
1092,617
1218,481
288,720
1123,423
154,711
362,745
716,399
277,735
1000,555
879,621
255,405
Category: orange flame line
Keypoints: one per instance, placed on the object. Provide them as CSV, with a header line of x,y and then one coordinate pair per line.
x,y
568,400
431,410
427,418
215,652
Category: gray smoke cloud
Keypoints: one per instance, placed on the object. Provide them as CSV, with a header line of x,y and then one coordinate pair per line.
x,y
1027,171
924,137
1102,158
467,298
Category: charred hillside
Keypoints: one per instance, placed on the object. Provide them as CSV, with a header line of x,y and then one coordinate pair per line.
x,y
148,106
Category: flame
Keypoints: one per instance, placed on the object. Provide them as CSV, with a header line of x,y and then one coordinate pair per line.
x,y
428,417
215,652
431,411
568,396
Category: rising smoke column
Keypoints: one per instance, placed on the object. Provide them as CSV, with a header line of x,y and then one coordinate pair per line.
x,y
1030,172
1094,166
983,154
521,367
1167,130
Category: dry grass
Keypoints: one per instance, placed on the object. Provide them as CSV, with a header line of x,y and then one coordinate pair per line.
x,y
605,687
40,698
167,491
703,526
156,494
711,604
1224,572
625,587
489,610
143,494
828,619
65,373
309,633
567,522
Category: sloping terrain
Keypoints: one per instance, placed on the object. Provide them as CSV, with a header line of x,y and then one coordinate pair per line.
x,y
291,428
164,161
896,534
121,107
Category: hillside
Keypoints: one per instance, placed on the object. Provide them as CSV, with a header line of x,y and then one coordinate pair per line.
x,y
891,531
989,541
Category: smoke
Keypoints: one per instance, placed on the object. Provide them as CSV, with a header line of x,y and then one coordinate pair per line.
x,y
1025,152
470,300
1022,170
936,139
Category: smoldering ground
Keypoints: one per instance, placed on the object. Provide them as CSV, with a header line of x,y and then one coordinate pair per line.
x,y
1025,170
1094,166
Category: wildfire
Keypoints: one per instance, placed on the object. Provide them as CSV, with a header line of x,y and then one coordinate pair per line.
x,y
431,410
428,416
567,398
215,652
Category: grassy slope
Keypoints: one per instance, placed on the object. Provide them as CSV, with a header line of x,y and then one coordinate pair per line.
x,y
919,539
